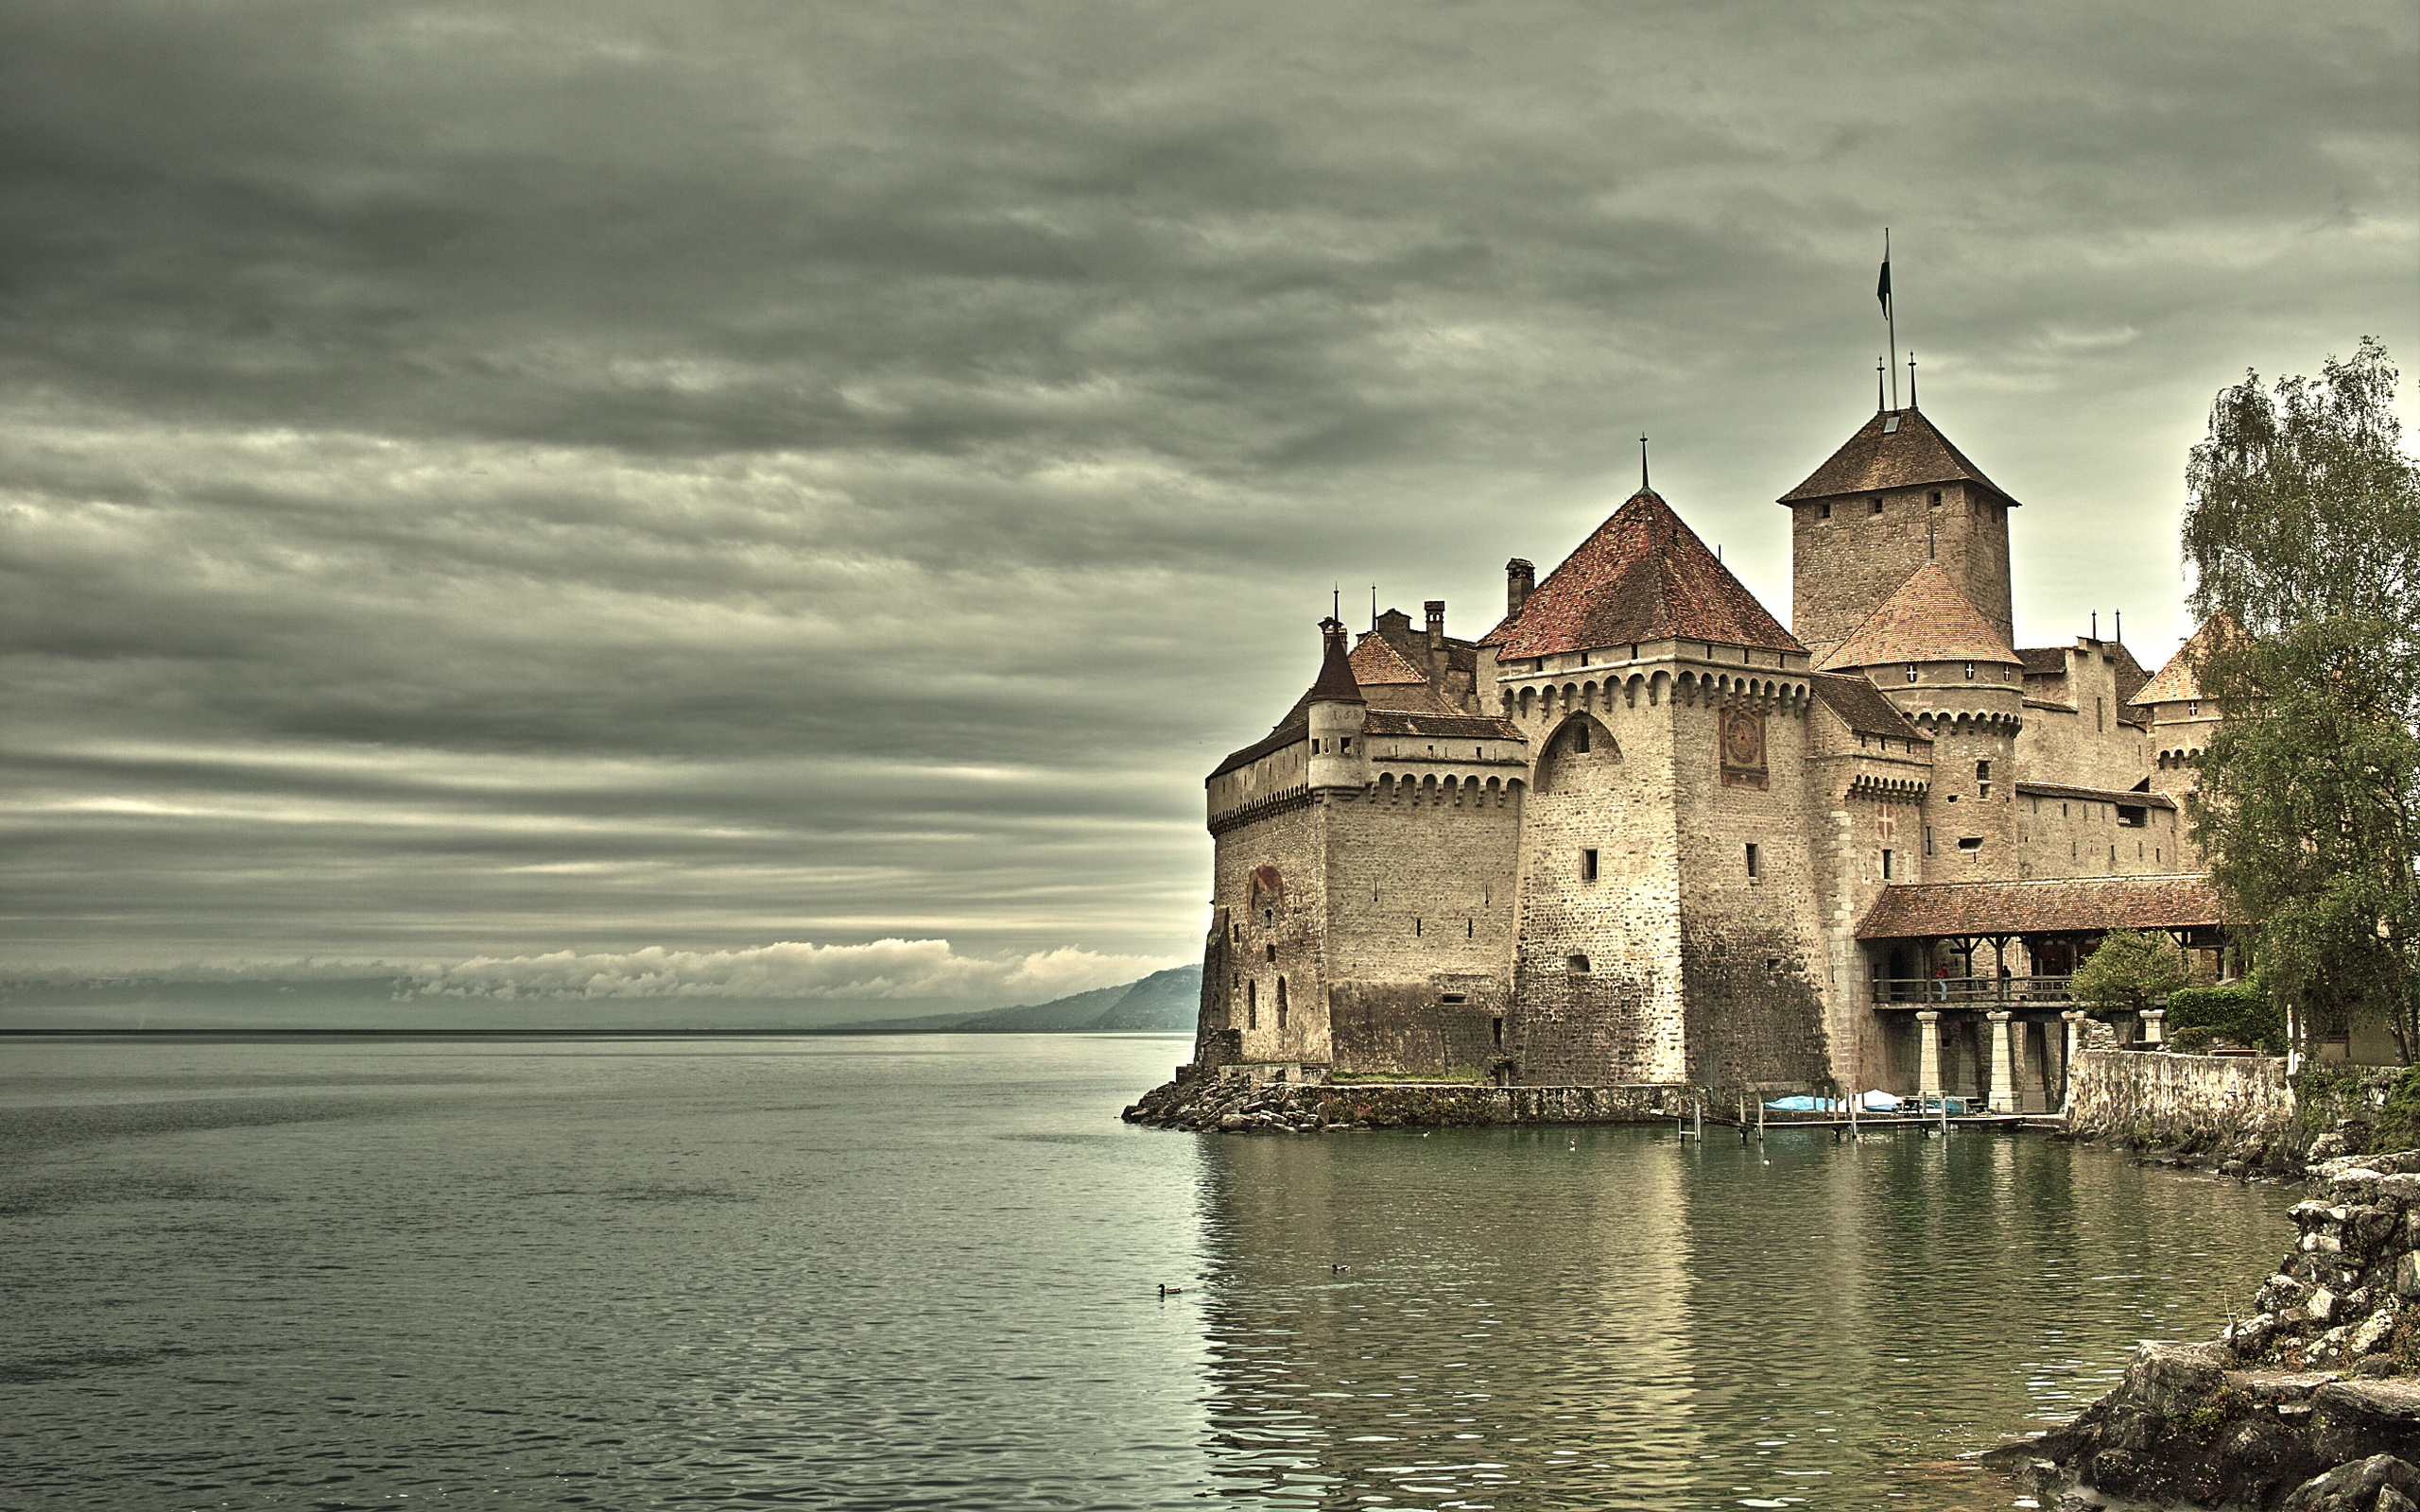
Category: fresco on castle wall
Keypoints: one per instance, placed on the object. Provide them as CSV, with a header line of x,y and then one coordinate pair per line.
x,y
1743,750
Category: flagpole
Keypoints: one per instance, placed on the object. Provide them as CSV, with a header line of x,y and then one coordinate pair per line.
x,y
1890,318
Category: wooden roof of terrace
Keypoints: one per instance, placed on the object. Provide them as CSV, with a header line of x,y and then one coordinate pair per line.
x,y
2064,905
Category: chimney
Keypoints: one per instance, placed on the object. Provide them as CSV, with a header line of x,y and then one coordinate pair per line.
x,y
1520,577
1435,609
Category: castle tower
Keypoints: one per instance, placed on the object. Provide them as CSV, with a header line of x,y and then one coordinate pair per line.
x,y
1895,496
1667,930
1953,673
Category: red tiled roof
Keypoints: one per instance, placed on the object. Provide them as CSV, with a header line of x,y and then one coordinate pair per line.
x,y
1375,661
2043,661
2135,798
1643,575
1862,705
2070,905
1444,727
2179,677
1928,619
1879,457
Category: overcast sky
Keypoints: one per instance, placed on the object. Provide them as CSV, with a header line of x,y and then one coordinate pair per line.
x,y
641,486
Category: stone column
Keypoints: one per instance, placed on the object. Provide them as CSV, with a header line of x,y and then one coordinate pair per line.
x,y
2003,1066
2154,1028
1927,1052
2074,1017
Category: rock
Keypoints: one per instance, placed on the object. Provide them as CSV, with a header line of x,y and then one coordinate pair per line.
x,y
2357,1485
2407,1273
2351,1420
2370,1335
2321,1305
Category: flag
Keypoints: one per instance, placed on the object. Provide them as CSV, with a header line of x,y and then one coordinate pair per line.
x,y
1882,290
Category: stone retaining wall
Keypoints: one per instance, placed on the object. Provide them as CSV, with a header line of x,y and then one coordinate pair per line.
x,y
2186,1102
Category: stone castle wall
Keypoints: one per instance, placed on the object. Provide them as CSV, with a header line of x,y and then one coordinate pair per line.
x,y
1752,959
1596,993
1274,938
2082,837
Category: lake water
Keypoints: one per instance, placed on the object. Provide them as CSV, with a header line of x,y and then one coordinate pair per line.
x,y
883,1272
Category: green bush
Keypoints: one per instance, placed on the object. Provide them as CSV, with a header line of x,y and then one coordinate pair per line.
x,y
2234,1010
2399,1122
2128,970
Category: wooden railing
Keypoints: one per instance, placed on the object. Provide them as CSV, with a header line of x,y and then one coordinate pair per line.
x,y
1969,991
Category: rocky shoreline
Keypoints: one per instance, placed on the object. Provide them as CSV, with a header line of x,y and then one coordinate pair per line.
x,y
2311,1403
1237,1105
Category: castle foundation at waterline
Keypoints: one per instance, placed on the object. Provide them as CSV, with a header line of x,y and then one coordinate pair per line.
x,y
1639,834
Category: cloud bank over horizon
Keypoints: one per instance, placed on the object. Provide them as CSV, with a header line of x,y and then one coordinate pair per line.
x,y
517,481
879,970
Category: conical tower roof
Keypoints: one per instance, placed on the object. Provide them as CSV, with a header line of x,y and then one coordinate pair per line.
x,y
1335,683
2181,677
1644,575
1896,449
1928,619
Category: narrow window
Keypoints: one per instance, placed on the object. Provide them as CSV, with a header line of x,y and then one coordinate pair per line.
x,y
1415,929
1251,1004
1912,672
1983,792
1470,929
1498,1031
1272,953
1970,671
1877,506
1935,500
1927,839
1280,1003
2101,713
1827,511
2192,708
1344,745
1587,866
1752,860
1983,771
1886,865
1580,738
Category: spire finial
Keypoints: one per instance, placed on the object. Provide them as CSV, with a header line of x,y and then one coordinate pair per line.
x,y
1373,606
1336,602
1911,380
1642,462
1878,406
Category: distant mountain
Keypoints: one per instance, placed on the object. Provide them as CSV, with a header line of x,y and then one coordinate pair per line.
x,y
1164,1002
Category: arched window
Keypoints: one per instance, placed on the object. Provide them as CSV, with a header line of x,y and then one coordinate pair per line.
x,y
1280,1003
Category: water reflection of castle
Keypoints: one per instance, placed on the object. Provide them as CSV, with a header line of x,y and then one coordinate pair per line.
x,y
1639,1322
1638,833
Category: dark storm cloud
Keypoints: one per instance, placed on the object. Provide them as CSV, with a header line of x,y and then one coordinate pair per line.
x,y
483,480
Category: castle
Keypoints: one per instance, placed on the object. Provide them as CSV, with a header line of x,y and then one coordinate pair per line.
x,y
1640,833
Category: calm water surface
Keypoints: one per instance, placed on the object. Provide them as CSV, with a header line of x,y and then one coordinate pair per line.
x,y
879,1272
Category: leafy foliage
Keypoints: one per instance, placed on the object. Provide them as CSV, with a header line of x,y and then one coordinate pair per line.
x,y
2128,970
2241,1012
2304,532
